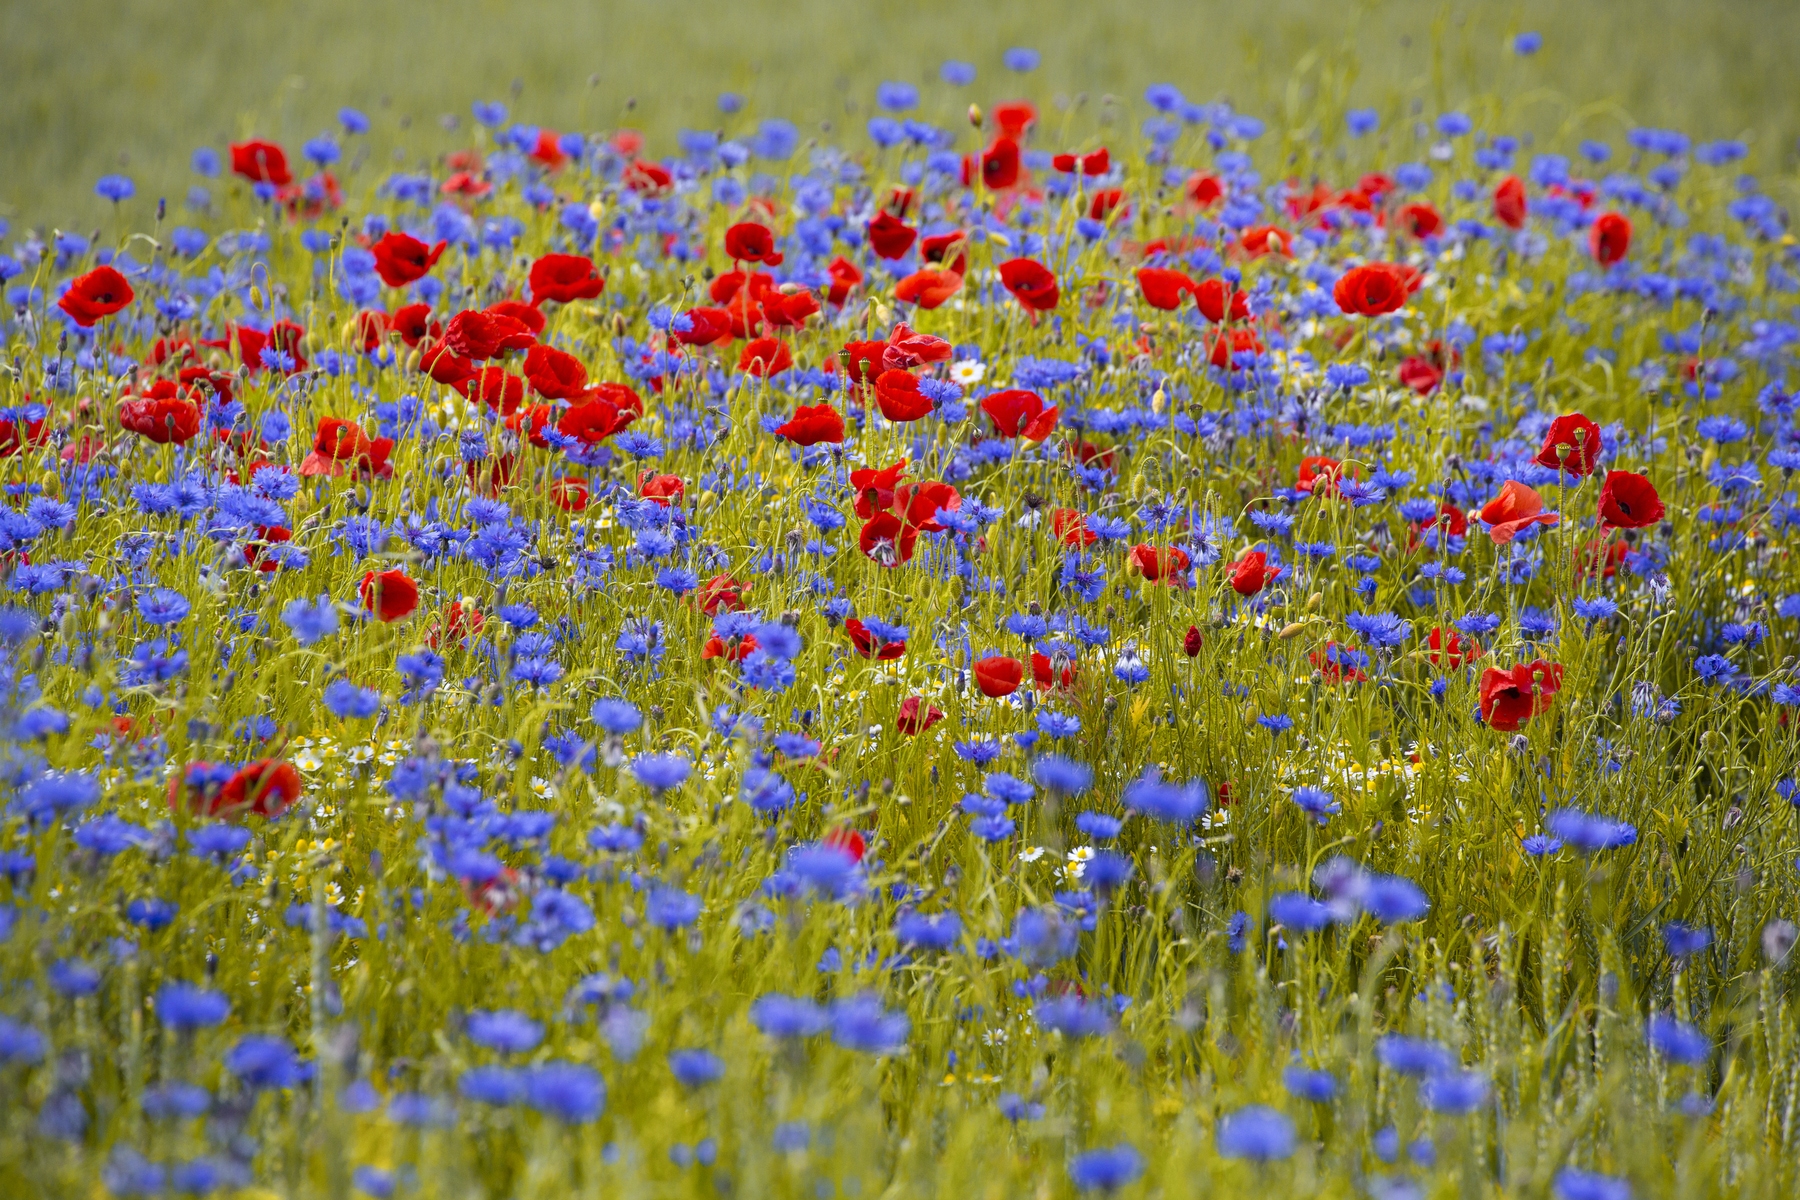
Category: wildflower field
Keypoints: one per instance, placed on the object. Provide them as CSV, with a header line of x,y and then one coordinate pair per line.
x,y
1213,653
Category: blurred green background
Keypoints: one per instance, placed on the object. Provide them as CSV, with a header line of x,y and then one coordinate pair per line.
x,y
93,86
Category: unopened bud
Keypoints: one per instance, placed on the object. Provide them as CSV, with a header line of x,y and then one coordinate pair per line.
x,y
1190,645
1289,632
975,115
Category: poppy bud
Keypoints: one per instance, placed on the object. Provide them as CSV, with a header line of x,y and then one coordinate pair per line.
x,y
1289,632
975,115
1190,645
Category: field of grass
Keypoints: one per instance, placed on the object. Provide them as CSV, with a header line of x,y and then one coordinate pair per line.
x,y
898,654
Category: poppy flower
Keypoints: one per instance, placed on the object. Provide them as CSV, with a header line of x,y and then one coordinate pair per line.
x,y
916,716
495,387
887,540
592,421
889,236
443,364
1252,573
764,357
998,676
999,165
1571,445
1318,474
547,150
705,326
1600,557
1512,697
1371,290
1419,374
569,493
267,788
1018,413
565,278
1512,510
1096,163
1337,663
897,392
266,536
868,647
369,327
1103,203
875,488
844,276
1046,675
905,349
789,310
390,595
812,425
918,504
721,593
161,419
1070,527
662,489
937,247
735,650
749,242
483,335
99,293
401,258
1450,648
1014,117
554,374
1163,288
1629,501
1157,564
1212,297
339,440
465,185
1266,239
724,288
1203,189
1509,202
1231,343
1031,283
460,621
648,178
533,319
1421,220
16,435
1609,238
261,162
929,287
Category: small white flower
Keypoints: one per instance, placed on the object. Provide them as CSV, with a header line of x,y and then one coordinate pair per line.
x,y
1032,854
1078,861
968,372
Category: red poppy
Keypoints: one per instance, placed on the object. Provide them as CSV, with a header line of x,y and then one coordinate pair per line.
x,y
863,360
266,536
849,841
1070,527
1371,290
1096,163
593,421
810,426
887,539
1252,573
553,374
483,335
764,357
1014,117
937,247
261,162
750,242
1031,283
569,493
1421,220
1204,190
1231,343
928,288
443,364
1211,296
533,319
1450,648
1191,644
661,488
868,647
1157,564
1509,202
99,293
460,621
789,310
1513,509
999,165
1266,239
1018,413
1609,238
495,387
999,676
401,258
705,326
1331,666
916,716
897,392
905,349
371,325
160,418
1599,557
720,593
465,185
1044,673
266,787
1163,288
565,278
1318,474
1104,203
1629,501
339,440
1512,697
390,595
725,287
875,488
15,436
845,276
1571,445
1419,374
918,504
648,178
889,236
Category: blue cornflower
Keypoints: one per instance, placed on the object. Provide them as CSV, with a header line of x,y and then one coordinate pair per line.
x,y
928,932
163,606
1058,725
1062,776
1016,1108
782,1016
696,1068
1589,833
957,73
1685,941
671,908
1107,1169
1413,1056
660,772
1300,912
1021,59
1572,1183
1457,1092
1102,827
1538,845
504,1030
344,699
1074,1017
861,1023
1715,669
1277,723
617,717
1382,630
1256,1132
311,621
1677,1042
266,1063
1318,1087
570,1092
1316,802
184,1006
1174,803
